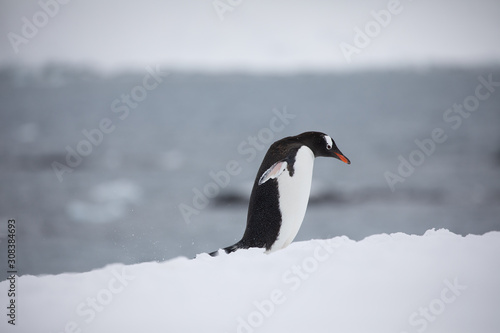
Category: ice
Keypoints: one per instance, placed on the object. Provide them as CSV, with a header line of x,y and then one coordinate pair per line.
x,y
117,190
108,202
437,282
27,132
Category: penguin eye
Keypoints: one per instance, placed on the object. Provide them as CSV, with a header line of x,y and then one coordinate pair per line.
x,y
329,142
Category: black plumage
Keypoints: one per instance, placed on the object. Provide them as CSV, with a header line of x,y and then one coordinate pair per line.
x,y
264,218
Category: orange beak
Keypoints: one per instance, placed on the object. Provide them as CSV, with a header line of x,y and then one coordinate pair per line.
x,y
343,158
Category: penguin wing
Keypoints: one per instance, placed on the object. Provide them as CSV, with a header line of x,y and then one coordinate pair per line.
x,y
273,172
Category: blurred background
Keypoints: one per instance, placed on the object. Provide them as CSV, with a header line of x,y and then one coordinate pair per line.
x,y
119,120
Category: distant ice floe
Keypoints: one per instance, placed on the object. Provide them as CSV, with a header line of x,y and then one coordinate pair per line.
x,y
109,202
172,160
27,132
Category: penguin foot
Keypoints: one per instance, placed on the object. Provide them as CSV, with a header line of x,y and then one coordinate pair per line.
x,y
228,249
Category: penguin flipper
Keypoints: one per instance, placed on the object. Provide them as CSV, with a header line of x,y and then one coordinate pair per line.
x,y
273,172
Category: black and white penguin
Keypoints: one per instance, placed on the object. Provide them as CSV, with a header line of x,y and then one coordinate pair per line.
x,y
281,190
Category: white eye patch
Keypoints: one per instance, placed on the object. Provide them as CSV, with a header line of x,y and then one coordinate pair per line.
x,y
329,142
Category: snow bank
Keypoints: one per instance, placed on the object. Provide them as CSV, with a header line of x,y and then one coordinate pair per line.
x,y
438,282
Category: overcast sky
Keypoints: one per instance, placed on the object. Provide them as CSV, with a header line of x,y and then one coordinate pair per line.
x,y
262,35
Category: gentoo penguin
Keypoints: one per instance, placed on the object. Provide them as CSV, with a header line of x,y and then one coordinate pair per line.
x,y
281,190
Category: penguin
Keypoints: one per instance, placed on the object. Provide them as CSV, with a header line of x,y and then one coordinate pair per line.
x,y
281,189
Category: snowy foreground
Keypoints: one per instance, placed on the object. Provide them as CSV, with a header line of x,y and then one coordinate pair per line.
x,y
438,282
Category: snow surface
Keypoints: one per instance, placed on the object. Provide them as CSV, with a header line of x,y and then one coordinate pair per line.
x,y
438,282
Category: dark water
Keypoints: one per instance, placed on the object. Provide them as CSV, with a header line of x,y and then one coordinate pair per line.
x,y
183,133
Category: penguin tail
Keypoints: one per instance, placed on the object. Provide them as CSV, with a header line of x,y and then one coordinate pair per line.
x,y
228,249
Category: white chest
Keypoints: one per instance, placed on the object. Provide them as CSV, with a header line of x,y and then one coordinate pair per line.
x,y
294,195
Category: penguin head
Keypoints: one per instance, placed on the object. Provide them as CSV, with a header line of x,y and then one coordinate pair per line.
x,y
322,145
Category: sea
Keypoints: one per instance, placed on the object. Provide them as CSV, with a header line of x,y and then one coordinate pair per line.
x,y
147,165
